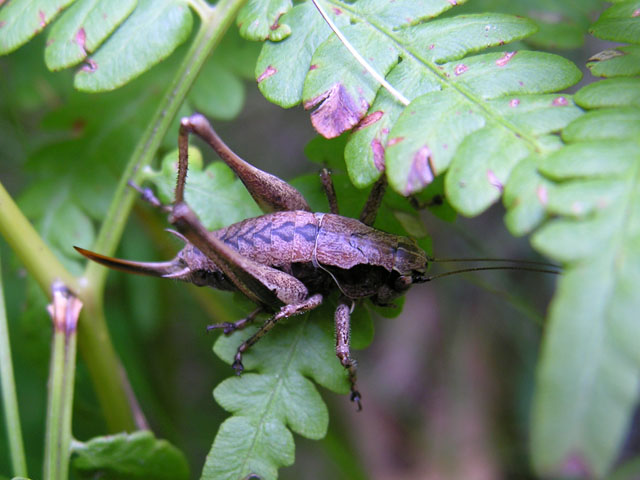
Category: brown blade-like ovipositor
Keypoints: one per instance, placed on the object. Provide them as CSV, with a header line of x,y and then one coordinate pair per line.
x,y
171,268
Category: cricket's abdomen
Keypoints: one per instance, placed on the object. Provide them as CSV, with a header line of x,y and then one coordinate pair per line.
x,y
281,239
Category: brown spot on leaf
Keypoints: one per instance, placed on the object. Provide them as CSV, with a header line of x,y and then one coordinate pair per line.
x,y
276,24
514,102
493,180
542,194
575,465
270,70
420,173
337,11
91,66
43,18
636,13
460,69
394,140
80,38
336,111
560,102
369,120
313,66
504,59
78,126
432,46
378,154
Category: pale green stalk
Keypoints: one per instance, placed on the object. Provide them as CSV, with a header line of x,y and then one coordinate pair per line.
x,y
9,398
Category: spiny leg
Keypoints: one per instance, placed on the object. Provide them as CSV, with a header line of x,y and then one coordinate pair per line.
x,y
286,311
230,327
270,192
370,209
329,190
343,348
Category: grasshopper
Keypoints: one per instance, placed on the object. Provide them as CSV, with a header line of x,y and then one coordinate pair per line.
x,y
287,260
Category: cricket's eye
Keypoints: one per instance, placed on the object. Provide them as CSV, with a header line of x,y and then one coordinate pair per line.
x,y
402,283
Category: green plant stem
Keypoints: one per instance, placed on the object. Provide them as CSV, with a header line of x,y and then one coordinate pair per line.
x,y
110,382
64,310
9,397
31,250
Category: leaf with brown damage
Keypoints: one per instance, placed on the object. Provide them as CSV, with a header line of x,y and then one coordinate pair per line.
x,y
337,111
338,87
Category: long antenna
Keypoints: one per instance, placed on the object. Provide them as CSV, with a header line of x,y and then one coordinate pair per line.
x,y
379,78
476,269
507,260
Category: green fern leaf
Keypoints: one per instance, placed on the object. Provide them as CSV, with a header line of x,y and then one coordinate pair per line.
x,y
265,405
260,20
561,25
619,23
458,114
587,386
129,456
116,47
162,25
82,29
21,21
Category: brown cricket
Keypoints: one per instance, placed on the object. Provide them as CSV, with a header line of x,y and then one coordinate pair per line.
x,y
287,260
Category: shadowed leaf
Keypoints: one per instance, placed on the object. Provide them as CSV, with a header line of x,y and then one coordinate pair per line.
x,y
136,455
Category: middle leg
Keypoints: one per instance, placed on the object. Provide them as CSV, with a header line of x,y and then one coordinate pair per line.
x,y
286,311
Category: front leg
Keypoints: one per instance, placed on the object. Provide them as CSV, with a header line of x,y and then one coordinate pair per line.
x,y
230,327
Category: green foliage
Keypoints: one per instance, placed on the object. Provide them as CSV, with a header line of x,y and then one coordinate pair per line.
x,y
462,111
129,456
588,377
280,396
561,25
483,123
147,32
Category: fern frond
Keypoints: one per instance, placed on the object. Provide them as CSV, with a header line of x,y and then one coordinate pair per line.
x,y
117,41
588,387
469,112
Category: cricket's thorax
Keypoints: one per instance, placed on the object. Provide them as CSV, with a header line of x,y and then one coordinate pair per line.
x,y
286,238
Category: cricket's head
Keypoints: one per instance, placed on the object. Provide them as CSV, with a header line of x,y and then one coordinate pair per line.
x,y
189,265
410,265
